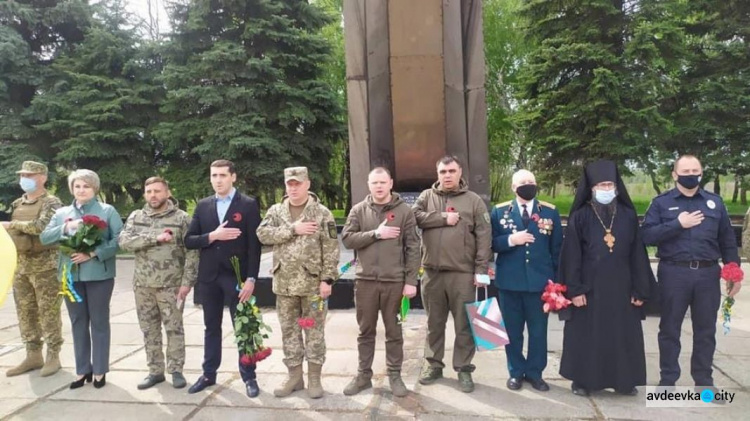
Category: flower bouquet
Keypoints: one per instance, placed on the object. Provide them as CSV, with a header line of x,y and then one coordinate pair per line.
x,y
733,274
249,329
553,297
86,239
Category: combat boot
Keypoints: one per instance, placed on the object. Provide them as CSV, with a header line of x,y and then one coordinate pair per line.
x,y
33,361
293,382
51,364
398,388
361,382
314,387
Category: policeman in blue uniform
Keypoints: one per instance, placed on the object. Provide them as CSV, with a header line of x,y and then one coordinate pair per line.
x,y
691,229
527,237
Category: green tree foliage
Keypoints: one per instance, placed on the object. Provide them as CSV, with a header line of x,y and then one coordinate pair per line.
x,y
33,34
244,83
594,86
102,107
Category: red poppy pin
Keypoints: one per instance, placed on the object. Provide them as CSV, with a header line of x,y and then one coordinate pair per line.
x,y
168,231
450,208
391,216
535,217
237,217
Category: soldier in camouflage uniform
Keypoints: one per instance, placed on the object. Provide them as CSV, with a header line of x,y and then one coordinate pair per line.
x,y
35,286
164,273
305,259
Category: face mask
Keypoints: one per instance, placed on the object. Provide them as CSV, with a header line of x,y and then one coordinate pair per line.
x,y
689,181
28,184
526,191
605,197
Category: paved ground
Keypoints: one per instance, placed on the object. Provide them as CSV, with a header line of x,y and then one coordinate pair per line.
x,y
29,397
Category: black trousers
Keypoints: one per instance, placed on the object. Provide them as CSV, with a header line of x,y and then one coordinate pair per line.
x,y
215,295
700,290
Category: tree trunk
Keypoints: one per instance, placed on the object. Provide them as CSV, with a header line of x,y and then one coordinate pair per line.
x,y
717,185
654,181
736,191
743,194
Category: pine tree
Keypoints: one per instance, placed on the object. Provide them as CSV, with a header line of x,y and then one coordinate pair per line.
x,y
244,83
103,106
33,33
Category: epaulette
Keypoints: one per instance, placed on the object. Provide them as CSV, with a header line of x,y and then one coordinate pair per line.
x,y
547,204
500,205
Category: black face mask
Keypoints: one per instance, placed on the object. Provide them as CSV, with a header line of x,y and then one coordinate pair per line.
x,y
689,181
526,191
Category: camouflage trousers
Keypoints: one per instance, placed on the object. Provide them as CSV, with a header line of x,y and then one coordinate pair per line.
x,y
157,306
289,309
38,309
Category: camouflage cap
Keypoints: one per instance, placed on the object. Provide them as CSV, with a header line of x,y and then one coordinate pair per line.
x,y
32,167
295,173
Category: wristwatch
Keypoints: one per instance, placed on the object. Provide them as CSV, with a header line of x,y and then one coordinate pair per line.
x,y
328,281
377,235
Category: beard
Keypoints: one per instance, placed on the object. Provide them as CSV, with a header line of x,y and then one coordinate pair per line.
x,y
158,205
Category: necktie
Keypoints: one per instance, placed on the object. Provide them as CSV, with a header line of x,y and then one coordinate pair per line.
x,y
525,216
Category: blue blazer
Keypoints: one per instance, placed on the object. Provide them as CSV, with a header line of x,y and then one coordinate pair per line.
x,y
526,268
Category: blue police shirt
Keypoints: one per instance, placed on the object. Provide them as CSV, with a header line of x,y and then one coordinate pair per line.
x,y
710,240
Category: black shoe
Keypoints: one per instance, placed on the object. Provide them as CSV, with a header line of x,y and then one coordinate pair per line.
x,y
514,383
631,392
79,383
100,383
579,390
151,380
202,383
538,384
252,388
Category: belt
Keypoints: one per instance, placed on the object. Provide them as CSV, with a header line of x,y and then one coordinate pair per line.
x,y
692,264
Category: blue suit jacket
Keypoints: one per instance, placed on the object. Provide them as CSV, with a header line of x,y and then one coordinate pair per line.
x,y
526,268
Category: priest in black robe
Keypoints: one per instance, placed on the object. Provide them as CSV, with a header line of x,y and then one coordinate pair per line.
x,y
608,275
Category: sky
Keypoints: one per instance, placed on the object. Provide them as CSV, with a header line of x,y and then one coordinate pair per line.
x,y
140,7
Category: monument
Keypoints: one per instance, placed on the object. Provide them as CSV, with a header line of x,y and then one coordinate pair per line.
x,y
415,84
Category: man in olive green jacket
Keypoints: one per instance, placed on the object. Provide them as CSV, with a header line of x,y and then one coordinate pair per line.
x,y
383,231
456,240
165,271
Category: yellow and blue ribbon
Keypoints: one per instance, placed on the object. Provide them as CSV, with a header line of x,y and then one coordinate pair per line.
x,y
67,288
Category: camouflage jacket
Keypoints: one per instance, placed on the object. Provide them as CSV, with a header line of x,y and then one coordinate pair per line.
x,y
159,265
46,260
301,262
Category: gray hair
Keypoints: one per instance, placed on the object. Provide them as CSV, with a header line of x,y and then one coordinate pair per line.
x,y
521,174
87,176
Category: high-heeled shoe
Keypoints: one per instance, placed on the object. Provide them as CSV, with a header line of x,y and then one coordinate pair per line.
x,y
79,383
100,383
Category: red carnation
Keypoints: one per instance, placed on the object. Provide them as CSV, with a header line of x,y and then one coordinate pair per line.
x,y
732,272
168,231
391,216
246,360
553,297
535,217
306,323
262,354
237,217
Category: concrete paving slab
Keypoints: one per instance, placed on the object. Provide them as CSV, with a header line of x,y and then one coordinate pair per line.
x,y
11,405
242,414
103,411
33,386
233,394
67,358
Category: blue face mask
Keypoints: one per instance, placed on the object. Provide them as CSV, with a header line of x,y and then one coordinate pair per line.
x,y
605,197
28,184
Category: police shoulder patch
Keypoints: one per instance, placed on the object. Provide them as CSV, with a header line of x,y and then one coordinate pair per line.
x,y
332,229
487,217
547,204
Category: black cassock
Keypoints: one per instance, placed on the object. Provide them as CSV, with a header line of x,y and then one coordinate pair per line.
x,y
603,342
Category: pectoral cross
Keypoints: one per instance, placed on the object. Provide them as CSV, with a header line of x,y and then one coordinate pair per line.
x,y
609,239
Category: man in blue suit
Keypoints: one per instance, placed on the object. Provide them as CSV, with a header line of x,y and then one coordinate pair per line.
x,y
527,237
